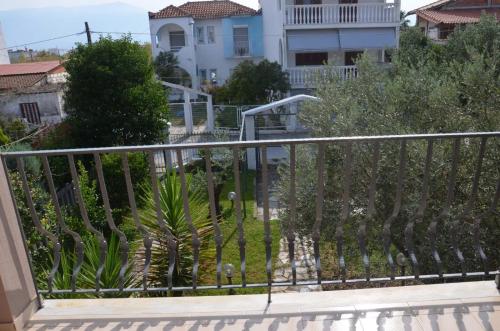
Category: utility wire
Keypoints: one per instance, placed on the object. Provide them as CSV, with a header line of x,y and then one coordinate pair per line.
x,y
42,41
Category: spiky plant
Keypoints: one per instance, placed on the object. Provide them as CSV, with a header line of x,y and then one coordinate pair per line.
x,y
174,219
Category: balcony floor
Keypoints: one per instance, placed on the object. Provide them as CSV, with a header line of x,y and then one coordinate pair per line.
x,y
458,306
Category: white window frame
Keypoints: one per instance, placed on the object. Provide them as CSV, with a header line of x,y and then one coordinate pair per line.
x,y
200,35
211,41
239,50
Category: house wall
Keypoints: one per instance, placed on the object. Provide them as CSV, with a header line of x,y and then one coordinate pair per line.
x,y
254,24
212,56
273,32
160,41
50,104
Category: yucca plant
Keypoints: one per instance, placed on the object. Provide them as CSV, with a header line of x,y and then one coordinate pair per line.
x,y
174,218
86,278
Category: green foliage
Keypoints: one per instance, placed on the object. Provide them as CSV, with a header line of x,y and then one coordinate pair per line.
x,y
115,178
167,68
112,97
4,139
173,215
86,278
14,129
482,38
423,92
252,83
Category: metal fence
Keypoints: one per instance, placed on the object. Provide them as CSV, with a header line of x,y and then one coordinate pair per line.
x,y
360,208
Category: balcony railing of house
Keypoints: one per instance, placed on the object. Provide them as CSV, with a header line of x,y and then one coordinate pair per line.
x,y
307,77
362,13
356,212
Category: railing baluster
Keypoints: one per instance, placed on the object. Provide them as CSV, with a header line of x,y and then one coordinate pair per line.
x,y
124,248
293,214
38,225
64,227
470,204
103,246
370,212
218,234
344,213
171,241
467,212
320,164
239,218
386,232
445,213
148,242
195,240
410,247
267,225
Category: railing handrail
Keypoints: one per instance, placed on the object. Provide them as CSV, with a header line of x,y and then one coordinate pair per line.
x,y
325,5
249,144
325,67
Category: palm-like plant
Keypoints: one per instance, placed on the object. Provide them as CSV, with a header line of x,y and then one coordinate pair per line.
x,y
403,19
174,219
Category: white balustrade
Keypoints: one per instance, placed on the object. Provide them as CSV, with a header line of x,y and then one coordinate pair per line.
x,y
342,14
302,77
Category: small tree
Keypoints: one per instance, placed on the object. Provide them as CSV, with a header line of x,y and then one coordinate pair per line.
x,y
253,83
165,65
112,96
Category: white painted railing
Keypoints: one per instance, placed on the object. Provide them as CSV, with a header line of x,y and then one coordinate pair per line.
x,y
342,14
308,76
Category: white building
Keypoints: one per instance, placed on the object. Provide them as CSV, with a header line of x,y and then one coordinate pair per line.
x,y
32,92
211,37
4,55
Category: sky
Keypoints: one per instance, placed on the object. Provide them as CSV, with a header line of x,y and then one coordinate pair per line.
x,y
150,5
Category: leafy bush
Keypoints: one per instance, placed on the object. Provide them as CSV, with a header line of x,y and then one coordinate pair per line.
x,y
112,96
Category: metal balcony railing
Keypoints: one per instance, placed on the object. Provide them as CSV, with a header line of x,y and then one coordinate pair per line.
x,y
307,77
351,14
354,211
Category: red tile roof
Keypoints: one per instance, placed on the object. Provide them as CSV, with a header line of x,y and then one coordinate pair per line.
x,y
19,81
205,10
23,75
432,5
29,68
457,16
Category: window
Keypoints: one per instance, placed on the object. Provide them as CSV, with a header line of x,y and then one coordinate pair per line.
x,y
240,38
177,40
200,34
203,75
211,34
351,57
213,76
307,2
311,59
30,112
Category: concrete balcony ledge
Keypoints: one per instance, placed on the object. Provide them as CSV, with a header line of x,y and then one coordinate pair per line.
x,y
458,306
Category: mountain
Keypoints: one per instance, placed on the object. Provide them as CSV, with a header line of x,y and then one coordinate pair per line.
x,y
27,25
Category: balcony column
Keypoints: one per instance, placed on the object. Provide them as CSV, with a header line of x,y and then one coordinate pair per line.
x,y
18,296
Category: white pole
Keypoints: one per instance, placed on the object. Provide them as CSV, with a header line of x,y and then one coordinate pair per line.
x,y
188,112
210,114
250,135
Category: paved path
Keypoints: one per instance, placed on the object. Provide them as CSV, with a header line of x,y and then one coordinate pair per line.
x,y
304,262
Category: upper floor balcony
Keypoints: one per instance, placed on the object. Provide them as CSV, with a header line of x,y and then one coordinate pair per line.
x,y
308,76
341,15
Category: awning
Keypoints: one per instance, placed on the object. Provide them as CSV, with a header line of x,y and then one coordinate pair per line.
x,y
365,38
313,40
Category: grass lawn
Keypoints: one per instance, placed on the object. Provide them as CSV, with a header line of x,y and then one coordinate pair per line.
x,y
255,248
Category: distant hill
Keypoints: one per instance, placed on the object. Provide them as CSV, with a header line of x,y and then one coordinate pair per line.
x,y
28,25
